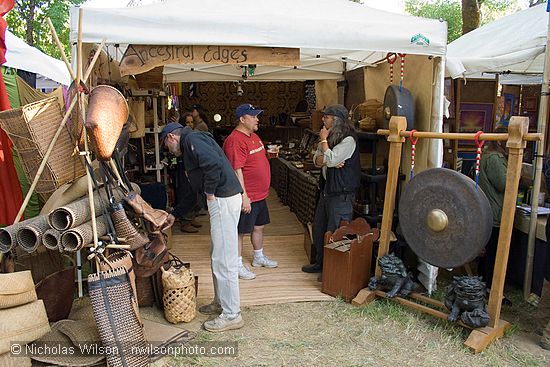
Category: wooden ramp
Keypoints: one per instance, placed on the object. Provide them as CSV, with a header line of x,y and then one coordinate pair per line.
x,y
283,242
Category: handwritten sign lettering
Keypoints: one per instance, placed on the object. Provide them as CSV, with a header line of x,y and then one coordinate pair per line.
x,y
141,58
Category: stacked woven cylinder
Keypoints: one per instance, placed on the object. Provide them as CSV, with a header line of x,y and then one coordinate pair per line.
x,y
68,228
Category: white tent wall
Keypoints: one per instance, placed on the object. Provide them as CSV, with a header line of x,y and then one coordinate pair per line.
x,y
21,56
515,43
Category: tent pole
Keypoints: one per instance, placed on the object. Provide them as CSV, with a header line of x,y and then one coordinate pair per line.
x,y
539,151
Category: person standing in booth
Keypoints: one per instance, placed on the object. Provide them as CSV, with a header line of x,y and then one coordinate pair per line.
x,y
247,155
209,172
200,121
338,156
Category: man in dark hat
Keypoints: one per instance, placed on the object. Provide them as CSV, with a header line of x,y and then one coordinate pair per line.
x,y
247,155
209,172
338,156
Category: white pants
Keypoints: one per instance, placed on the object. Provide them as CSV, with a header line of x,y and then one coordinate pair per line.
x,y
224,249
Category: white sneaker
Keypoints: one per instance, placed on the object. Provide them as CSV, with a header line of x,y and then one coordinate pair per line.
x,y
245,273
223,323
264,261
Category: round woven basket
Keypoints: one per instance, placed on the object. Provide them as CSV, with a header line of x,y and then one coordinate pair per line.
x,y
179,295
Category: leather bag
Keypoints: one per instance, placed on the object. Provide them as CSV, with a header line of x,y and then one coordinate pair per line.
x,y
155,217
152,254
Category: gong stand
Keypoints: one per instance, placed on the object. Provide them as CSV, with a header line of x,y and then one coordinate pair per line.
x,y
516,137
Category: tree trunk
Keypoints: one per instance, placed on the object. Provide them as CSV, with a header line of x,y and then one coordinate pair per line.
x,y
471,16
30,22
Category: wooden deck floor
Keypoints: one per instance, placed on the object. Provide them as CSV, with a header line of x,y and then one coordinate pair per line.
x,y
283,242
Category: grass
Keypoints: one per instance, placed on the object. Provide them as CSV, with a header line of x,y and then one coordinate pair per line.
x,y
382,333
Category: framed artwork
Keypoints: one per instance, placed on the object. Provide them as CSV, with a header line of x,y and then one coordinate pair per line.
x,y
508,110
473,118
529,104
448,90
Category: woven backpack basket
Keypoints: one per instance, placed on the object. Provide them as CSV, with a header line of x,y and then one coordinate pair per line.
x,y
179,294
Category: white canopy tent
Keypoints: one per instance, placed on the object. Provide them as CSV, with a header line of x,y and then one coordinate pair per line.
x,y
514,44
21,56
332,35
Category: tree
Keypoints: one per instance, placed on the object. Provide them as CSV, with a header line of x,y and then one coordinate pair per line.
x,y
27,20
459,20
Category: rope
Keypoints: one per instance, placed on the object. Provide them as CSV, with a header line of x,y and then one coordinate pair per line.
x,y
413,151
479,145
402,71
391,58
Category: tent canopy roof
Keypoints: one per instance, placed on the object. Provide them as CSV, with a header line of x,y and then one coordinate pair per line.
x,y
515,43
327,32
21,56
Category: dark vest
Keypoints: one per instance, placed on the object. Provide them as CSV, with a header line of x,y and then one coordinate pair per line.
x,y
346,179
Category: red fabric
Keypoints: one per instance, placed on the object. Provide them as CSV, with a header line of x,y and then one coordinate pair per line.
x,y
248,153
11,197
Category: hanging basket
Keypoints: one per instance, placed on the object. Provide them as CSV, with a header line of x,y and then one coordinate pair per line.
x,y
179,295
31,128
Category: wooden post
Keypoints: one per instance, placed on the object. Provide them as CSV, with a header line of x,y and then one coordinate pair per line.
x,y
397,124
517,128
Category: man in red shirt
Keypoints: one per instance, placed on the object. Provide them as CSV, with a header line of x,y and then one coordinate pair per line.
x,y
245,151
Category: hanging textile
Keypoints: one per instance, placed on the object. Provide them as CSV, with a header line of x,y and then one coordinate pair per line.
x,y
11,196
28,94
33,207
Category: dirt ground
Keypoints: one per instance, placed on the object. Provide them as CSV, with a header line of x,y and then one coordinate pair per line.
x,y
382,333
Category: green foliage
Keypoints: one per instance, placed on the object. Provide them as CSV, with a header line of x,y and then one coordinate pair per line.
x,y
27,20
451,12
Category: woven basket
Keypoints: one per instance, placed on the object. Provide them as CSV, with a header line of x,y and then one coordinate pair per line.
x,y
31,128
179,295
125,229
16,289
145,293
121,259
24,323
117,322
57,291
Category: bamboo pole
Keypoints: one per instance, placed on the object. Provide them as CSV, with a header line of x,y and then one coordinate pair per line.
x,y
517,128
60,48
462,136
397,125
541,129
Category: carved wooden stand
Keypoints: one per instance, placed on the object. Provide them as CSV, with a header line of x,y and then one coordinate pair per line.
x,y
517,135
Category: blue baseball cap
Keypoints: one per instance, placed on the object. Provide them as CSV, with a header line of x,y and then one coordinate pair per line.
x,y
168,129
247,109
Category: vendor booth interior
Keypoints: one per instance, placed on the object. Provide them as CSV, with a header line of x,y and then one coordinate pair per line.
x,y
96,212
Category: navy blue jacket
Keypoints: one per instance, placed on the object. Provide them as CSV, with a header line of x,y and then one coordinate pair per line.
x,y
207,167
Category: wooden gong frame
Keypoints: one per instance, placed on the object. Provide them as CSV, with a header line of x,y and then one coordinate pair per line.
x,y
516,139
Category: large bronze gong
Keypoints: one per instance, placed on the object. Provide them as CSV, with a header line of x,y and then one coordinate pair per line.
x,y
445,220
